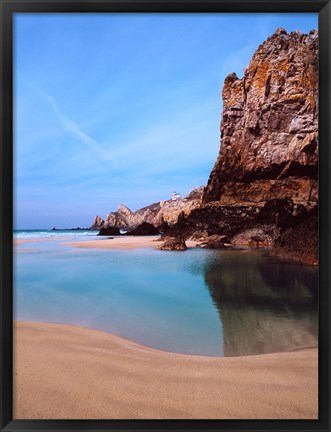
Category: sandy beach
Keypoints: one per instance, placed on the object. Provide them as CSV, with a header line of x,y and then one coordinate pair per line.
x,y
123,243
18,242
63,371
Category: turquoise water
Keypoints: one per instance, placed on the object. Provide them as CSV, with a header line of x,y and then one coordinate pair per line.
x,y
219,303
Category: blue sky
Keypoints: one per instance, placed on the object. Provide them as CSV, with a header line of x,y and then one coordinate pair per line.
x,y
122,108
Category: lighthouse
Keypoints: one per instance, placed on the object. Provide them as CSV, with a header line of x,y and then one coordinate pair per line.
x,y
175,196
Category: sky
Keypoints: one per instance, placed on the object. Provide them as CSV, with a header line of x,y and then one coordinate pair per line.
x,y
122,108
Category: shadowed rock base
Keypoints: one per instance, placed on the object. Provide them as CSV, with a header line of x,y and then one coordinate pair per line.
x,y
109,231
173,244
144,229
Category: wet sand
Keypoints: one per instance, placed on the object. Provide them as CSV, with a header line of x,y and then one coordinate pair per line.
x,y
18,242
122,243
63,371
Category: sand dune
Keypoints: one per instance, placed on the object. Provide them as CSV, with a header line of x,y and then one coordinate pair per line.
x,y
63,371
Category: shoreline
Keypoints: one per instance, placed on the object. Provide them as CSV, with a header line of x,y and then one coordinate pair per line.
x,y
18,242
124,243
114,242
140,242
77,372
119,243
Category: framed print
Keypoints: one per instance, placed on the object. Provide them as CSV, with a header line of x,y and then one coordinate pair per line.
x,y
165,185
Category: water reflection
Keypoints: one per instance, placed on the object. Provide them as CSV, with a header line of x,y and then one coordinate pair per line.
x,y
265,305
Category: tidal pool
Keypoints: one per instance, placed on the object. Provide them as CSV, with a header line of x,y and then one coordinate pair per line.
x,y
217,303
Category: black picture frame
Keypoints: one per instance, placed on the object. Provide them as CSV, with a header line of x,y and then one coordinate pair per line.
x,y
7,9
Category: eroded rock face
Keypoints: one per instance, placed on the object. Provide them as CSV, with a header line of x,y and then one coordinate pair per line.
x,y
263,188
155,214
214,242
144,229
170,210
269,127
119,218
300,242
266,220
172,244
97,223
263,236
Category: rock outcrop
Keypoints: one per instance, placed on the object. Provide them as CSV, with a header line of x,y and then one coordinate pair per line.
x,y
97,223
170,210
264,183
119,218
156,214
109,231
144,229
299,243
173,244
269,127
214,242
263,188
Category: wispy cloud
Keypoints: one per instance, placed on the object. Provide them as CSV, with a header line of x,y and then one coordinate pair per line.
x,y
77,132
151,124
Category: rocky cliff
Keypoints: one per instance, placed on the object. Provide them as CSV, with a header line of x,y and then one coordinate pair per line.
x,y
97,223
264,182
263,188
269,126
157,214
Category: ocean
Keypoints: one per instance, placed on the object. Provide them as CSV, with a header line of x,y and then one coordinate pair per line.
x,y
206,302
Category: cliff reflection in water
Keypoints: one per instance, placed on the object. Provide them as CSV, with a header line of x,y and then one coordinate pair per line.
x,y
265,305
